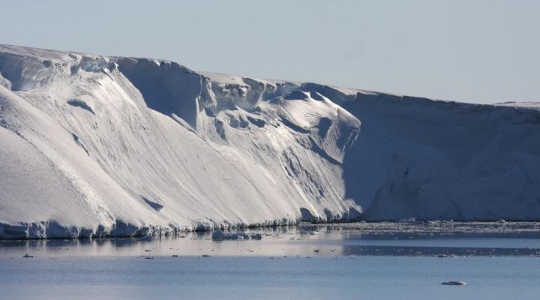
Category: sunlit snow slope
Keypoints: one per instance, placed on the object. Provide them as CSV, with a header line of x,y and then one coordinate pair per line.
x,y
94,146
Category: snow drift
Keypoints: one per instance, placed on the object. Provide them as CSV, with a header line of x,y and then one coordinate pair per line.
x,y
99,146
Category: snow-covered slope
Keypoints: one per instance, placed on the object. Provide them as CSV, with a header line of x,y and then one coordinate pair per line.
x,y
94,145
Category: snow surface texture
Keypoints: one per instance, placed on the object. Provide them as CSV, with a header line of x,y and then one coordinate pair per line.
x,y
114,146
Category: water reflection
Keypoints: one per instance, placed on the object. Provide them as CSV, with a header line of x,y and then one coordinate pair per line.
x,y
304,241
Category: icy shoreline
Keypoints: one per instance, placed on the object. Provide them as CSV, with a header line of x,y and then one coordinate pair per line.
x,y
52,230
374,230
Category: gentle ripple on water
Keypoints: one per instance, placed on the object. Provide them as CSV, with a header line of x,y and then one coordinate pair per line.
x,y
317,262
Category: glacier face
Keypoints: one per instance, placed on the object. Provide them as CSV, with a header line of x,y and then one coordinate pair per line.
x,y
95,145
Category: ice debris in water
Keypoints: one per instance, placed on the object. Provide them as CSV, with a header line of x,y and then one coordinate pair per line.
x,y
222,236
452,282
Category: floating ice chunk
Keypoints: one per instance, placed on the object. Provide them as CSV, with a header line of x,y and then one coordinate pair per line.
x,y
452,282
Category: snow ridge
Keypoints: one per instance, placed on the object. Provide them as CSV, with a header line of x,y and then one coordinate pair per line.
x,y
116,146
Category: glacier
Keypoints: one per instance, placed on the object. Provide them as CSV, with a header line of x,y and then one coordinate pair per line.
x,y
97,146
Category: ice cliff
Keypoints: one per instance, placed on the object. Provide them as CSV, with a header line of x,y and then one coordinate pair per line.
x,y
98,146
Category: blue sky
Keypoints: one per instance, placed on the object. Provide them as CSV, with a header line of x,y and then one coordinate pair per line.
x,y
474,51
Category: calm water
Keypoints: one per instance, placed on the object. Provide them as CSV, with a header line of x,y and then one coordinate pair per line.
x,y
292,264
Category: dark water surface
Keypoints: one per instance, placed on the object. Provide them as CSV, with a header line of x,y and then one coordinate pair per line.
x,y
294,263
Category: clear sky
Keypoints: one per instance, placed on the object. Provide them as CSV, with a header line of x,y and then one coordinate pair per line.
x,y
475,51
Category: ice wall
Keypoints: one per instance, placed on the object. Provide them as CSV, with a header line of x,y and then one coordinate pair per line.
x,y
96,146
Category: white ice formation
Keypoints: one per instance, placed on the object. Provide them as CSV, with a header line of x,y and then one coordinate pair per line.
x,y
98,146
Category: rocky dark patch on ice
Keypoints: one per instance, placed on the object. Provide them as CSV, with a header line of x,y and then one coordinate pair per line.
x,y
81,104
153,204
79,142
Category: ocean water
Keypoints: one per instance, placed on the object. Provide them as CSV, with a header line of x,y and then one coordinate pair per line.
x,y
285,264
